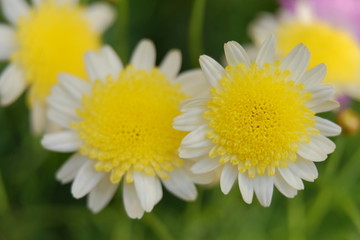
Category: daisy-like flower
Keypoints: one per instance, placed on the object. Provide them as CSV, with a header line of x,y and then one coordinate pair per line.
x,y
258,125
331,38
341,13
42,41
120,125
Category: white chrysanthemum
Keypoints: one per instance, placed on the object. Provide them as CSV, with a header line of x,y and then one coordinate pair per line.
x,y
120,124
42,41
259,124
334,45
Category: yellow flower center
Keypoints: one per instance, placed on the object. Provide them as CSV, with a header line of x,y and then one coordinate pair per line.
x,y
53,39
127,124
258,118
334,47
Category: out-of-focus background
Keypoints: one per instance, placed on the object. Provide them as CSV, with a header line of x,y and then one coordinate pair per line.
x,y
33,205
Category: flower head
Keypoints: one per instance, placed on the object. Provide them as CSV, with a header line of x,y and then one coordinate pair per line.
x,y
120,124
259,123
44,40
330,38
341,13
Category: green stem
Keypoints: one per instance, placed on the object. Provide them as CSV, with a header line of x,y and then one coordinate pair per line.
x,y
84,2
318,209
322,201
159,228
122,35
350,208
4,203
350,171
192,211
196,31
122,230
334,159
296,216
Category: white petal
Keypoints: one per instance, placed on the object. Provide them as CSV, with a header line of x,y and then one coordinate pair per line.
x,y
297,62
262,27
318,146
319,95
12,84
96,68
171,64
311,152
304,11
198,102
112,60
7,41
325,106
205,165
236,54
102,194
193,83
180,185
228,177
190,120
100,16
246,187
325,144
326,127
200,144
13,9
73,2
65,141
267,51
62,100
147,189
292,179
263,187
86,179
52,127
144,55
69,169
212,70
62,110
314,76
75,87
251,50
284,187
37,3
194,152
304,169
205,178
196,136
38,118
158,191
131,201
61,119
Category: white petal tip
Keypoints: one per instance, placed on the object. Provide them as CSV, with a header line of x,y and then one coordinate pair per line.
x,y
94,211
76,194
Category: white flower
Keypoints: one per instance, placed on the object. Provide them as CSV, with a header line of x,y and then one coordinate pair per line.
x,y
259,124
335,45
42,41
120,124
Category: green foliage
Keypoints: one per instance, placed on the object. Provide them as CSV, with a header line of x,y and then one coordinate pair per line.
x,y
33,205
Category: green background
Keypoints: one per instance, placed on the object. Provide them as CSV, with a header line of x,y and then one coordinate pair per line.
x,y
33,205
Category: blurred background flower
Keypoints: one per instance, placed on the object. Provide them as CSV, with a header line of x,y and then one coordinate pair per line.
x,y
45,39
330,35
33,205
